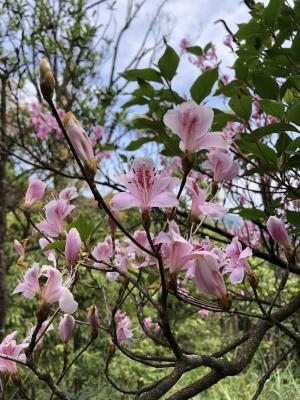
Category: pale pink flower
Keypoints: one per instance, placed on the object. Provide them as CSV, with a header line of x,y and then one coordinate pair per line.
x,y
199,204
79,138
66,327
147,188
176,250
237,263
99,131
222,165
72,249
30,287
123,325
68,194
10,348
205,272
56,211
278,231
103,251
228,41
191,122
184,44
35,192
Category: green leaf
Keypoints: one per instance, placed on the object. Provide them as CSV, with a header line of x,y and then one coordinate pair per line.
x,y
203,85
272,12
241,104
146,74
265,86
272,107
195,50
168,63
293,113
135,101
145,89
149,124
221,119
269,129
84,227
294,218
136,144
252,213
58,244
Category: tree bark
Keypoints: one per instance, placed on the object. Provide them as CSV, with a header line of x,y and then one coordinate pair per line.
x,y
3,203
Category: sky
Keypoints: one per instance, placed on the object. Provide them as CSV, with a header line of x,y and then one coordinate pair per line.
x,y
192,19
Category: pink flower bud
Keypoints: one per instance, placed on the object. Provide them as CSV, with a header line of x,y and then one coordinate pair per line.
x,y
278,231
35,192
79,138
93,318
66,327
72,249
19,248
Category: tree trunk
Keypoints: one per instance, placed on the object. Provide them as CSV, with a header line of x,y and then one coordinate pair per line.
x,y
3,200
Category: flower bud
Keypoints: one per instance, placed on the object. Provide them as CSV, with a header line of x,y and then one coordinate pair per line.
x,y
81,143
66,327
47,82
278,231
72,249
93,318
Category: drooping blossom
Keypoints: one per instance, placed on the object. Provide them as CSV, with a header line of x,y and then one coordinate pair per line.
x,y
53,291
35,192
10,348
68,194
191,122
206,275
228,42
147,187
72,249
123,325
56,211
66,327
199,204
78,137
176,250
237,263
222,165
184,44
278,231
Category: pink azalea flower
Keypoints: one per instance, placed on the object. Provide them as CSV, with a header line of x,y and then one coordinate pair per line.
x,y
176,250
10,348
228,41
147,188
72,249
54,291
103,251
199,204
222,165
191,122
184,44
204,313
66,327
205,272
123,325
35,192
79,138
99,131
278,231
68,194
56,212
237,263
30,287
